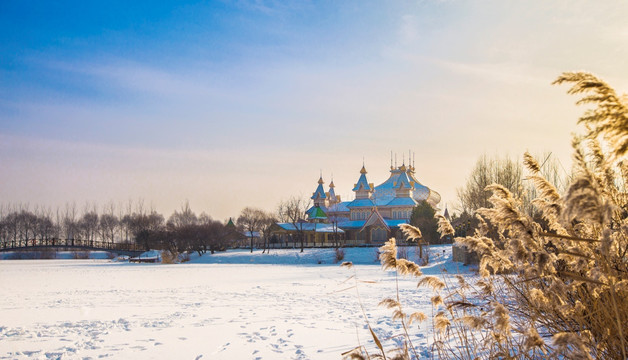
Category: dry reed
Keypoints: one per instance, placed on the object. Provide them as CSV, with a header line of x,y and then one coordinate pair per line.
x,y
556,289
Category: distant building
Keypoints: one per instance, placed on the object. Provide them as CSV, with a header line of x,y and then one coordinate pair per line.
x,y
372,217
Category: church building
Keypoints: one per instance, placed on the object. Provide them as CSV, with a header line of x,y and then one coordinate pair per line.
x,y
372,217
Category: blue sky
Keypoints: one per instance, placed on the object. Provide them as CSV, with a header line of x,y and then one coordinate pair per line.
x,y
235,103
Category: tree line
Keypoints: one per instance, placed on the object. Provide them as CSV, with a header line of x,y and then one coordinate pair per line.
x,y
134,223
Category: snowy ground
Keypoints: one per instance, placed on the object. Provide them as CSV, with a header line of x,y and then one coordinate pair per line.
x,y
234,305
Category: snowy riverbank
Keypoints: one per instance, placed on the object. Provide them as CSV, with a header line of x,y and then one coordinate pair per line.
x,y
231,305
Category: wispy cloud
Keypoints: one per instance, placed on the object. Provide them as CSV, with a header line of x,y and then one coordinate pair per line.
x,y
133,77
507,73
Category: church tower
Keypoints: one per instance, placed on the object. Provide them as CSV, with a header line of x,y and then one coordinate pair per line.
x,y
363,190
332,198
319,195
404,186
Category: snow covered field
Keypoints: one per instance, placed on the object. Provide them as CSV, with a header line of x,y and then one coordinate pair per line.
x,y
234,305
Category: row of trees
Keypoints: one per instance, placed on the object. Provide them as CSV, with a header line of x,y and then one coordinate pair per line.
x,y
183,231
186,232
254,220
19,223
133,222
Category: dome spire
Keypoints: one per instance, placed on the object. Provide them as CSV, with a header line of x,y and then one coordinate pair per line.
x,y
403,164
413,160
363,188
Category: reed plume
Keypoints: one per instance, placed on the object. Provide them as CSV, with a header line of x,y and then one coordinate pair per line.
x,y
556,288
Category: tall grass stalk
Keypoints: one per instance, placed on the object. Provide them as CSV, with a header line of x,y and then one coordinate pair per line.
x,y
552,287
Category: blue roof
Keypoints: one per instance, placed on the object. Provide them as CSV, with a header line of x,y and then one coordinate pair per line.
x,y
319,193
362,183
358,224
395,222
316,227
249,234
380,201
339,207
403,181
352,224
332,194
385,192
402,201
361,203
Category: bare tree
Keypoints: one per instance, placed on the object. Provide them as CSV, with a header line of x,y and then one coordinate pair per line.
x,y
109,223
28,224
183,232
251,219
3,227
58,224
88,224
293,211
125,220
266,226
45,228
69,221
473,195
142,225
183,218
13,226
508,173
334,219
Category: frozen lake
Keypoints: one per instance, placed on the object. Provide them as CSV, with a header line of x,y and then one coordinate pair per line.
x,y
235,309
